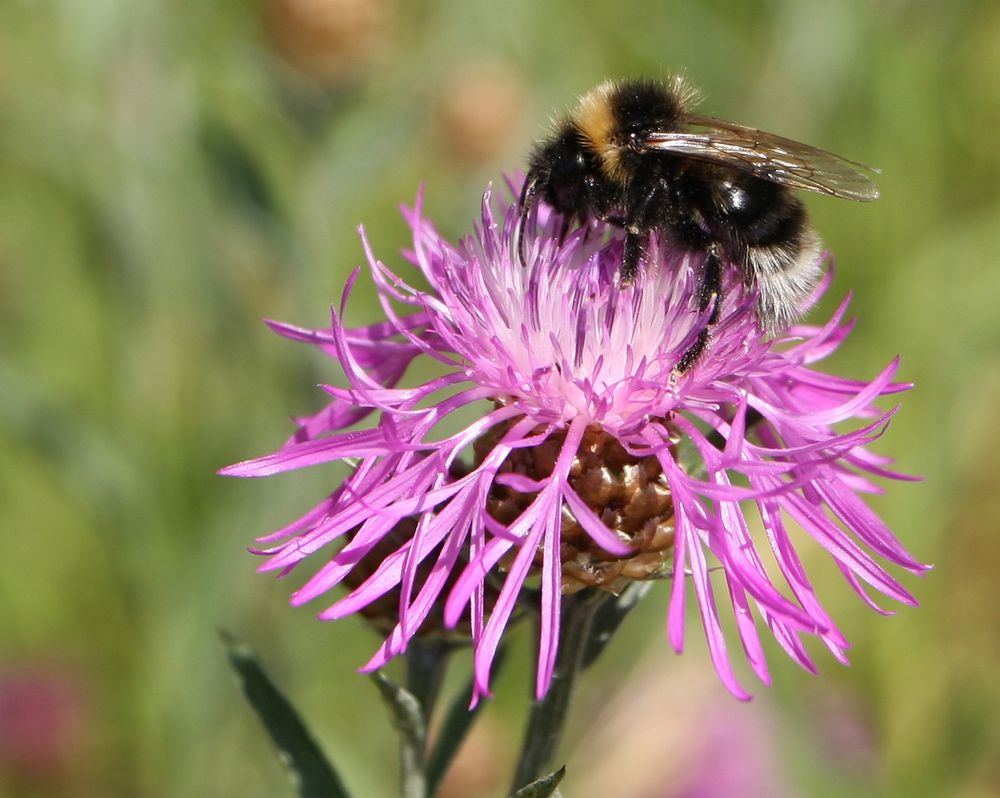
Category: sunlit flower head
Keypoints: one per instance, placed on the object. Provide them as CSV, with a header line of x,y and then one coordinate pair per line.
x,y
560,448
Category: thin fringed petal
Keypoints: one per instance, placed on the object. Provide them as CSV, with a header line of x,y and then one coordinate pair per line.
x,y
709,612
551,600
748,631
593,525
547,503
323,450
844,550
791,568
675,612
473,575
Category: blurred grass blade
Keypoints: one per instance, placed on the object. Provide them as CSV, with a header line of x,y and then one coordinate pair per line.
x,y
457,722
312,773
545,787
609,617
236,171
409,721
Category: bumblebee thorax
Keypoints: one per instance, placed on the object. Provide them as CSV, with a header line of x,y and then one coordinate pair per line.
x,y
597,123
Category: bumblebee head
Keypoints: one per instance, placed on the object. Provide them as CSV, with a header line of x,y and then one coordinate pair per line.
x,y
563,168
562,171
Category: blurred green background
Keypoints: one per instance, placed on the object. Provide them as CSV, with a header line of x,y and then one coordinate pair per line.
x,y
170,173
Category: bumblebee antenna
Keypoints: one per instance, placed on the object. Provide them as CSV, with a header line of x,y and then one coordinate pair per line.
x,y
529,196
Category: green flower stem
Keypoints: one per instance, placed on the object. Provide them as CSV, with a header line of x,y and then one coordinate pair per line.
x,y
548,716
426,664
413,782
408,719
455,725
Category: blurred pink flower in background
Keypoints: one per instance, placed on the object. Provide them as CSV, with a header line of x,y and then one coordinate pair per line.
x,y
44,719
667,731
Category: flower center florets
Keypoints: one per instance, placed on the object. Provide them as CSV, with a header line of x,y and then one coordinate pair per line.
x,y
628,493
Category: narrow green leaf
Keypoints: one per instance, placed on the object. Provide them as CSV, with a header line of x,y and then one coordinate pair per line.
x,y
457,722
236,170
545,787
312,773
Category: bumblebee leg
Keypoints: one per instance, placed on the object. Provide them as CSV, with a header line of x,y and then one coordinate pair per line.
x,y
710,292
528,200
711,284
630,256
564,225
638,221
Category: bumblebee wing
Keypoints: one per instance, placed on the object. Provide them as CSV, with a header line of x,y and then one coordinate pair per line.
x,y
769,157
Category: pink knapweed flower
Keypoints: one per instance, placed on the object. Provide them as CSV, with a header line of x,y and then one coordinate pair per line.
x,y
579,421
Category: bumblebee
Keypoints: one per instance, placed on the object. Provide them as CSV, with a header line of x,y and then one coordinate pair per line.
x,y
633,154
